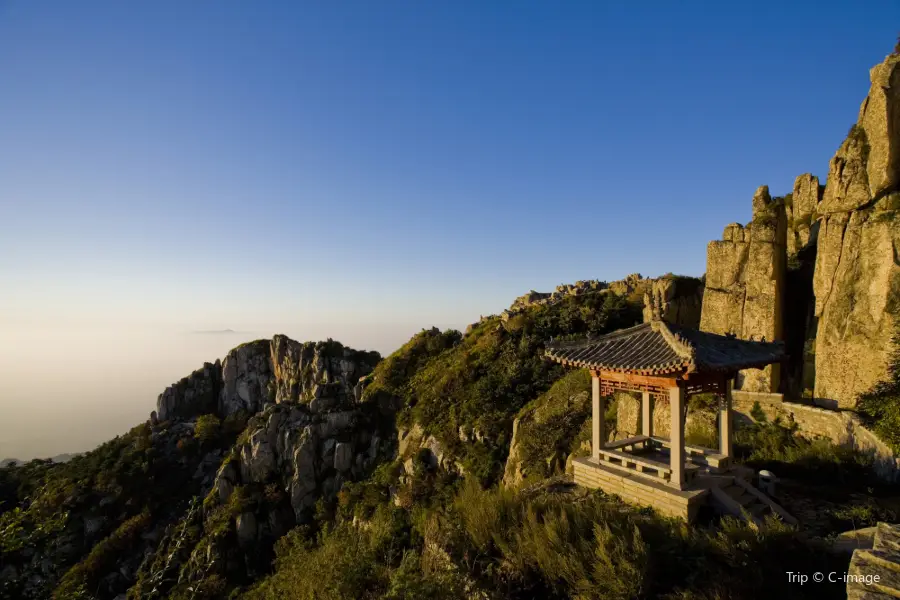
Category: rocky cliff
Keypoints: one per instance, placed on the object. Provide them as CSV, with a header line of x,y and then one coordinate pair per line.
x,y
672,297
289,459
676,299
857,278
801,208
277,370
308,433
745,273
822,261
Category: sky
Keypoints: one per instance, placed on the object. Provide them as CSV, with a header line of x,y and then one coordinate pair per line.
x,y
361,170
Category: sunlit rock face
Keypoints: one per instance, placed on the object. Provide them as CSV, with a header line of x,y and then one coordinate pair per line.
x,y
802,212
324,375
745,282
857,278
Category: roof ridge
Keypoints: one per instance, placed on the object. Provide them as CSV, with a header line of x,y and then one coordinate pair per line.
x,y
679,345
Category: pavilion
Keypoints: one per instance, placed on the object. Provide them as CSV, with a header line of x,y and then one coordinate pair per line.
x,y
667,363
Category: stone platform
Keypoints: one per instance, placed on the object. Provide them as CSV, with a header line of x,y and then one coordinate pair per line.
x,y
639,490
726,492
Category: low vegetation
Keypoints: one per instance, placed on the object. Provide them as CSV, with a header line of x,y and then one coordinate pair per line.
x,y
481,383
555,425
411,530
880,407
499,543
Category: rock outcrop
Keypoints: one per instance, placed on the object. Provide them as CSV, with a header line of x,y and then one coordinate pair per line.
x,y
550,431
323,374
841,295
745,274
413,443
802,212
246,377
857,278
678,300
668,292
290,460
307,454
196,394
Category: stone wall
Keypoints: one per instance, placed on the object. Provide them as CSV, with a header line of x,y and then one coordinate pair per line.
x,y
644,492
857,276
745,284
841,427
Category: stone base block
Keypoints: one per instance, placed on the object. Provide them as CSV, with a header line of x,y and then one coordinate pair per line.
x,y
669,501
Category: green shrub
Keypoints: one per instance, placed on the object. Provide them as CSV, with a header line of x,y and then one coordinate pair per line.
x,y
880,406
549,425
482,382
208,429
345,562
777,447
102,557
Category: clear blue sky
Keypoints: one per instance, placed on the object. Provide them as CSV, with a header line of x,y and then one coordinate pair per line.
x,y
202,165
360,170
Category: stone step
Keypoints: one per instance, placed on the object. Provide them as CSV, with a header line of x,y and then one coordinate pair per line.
x,y
740,495
870,563
887,537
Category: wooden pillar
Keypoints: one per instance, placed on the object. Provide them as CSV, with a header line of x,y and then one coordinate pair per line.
x,y
647,414
676,436
726,420
598,419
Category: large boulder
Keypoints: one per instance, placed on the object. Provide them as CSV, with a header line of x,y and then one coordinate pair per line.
x,y
857,277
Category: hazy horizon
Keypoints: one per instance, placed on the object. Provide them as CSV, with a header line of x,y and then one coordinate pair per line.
x,y
362,171
95,400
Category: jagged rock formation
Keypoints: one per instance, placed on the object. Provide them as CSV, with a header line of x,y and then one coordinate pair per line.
x,y
309,433
857,279
288,459
843,311
677,300
277,370
196,394
533,298
673,295
745,274
307,454
801,208
246,378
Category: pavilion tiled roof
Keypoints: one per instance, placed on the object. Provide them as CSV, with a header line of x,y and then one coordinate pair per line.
x,y
659,348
